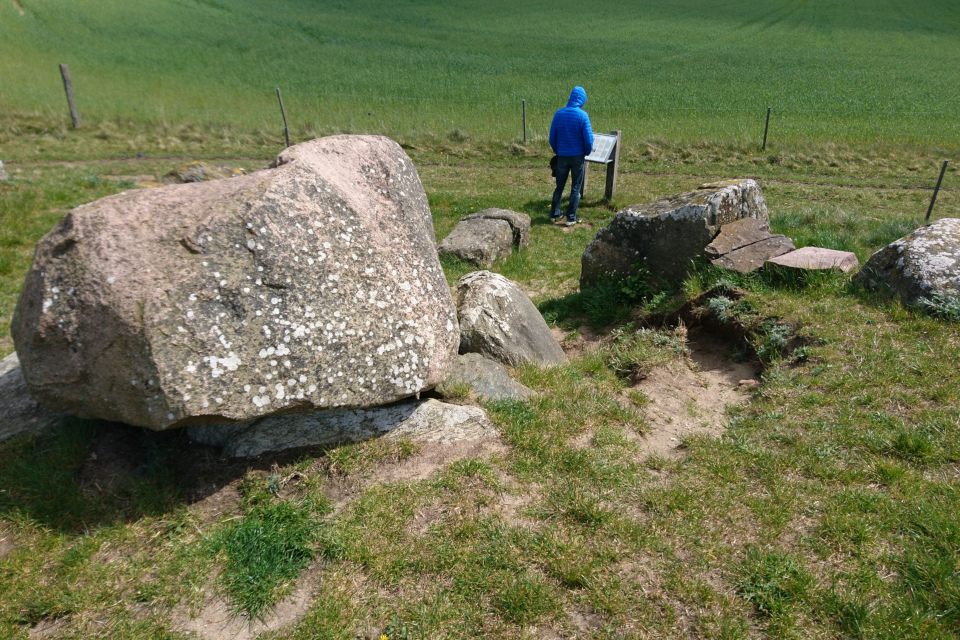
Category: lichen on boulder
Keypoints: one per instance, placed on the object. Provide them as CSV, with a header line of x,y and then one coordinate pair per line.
x,y
664,236
313,284
922,265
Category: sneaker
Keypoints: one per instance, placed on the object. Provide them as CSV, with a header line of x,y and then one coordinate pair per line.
x,y
555,218
570,223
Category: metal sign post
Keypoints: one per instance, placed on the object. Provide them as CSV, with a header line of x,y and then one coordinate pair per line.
x,y
606,150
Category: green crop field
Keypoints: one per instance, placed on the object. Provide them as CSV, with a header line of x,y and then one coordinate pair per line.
x,y
831,70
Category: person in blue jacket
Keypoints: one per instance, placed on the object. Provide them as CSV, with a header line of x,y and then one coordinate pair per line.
x,y
571,138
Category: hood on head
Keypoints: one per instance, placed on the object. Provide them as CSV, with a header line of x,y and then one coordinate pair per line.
x,y
577,97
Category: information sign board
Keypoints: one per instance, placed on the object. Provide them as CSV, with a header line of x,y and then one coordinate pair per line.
x,y
603,145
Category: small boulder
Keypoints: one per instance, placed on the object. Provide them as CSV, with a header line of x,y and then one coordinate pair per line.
x,y
815,259
664,236
19,413
922,265
313,284
486,378
519,223
420,420
481,237
745,245
499,321
479,241
200,172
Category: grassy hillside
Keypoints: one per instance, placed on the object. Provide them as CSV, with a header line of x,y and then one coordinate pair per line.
x,y
690,69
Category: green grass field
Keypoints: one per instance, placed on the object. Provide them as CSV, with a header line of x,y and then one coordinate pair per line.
x,y
826,509
832,71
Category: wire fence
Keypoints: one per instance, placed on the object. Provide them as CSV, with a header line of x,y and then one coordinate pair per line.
x,y
504,119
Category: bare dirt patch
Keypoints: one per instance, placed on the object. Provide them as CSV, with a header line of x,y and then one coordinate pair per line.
x,y
18,6
690,399
583,342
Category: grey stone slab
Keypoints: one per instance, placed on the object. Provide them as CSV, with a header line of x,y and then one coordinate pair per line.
x,y
486,378
751,257
419,420
736,235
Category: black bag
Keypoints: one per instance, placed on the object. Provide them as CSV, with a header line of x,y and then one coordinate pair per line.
x,y
553,166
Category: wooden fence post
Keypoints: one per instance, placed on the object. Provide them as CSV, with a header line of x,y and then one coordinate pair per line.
x,y
283,112
936,190
68,87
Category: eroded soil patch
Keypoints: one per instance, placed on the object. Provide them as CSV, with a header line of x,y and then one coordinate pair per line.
x,y
690,398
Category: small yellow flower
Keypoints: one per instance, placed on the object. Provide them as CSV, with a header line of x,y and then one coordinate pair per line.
x,y
384,637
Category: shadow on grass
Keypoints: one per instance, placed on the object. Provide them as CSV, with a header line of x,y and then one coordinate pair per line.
x,y
83,474
598,306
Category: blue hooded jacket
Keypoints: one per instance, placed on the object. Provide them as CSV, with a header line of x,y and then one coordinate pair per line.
x,y
570,132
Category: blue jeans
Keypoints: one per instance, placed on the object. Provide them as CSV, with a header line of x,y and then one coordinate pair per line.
x,y
568,165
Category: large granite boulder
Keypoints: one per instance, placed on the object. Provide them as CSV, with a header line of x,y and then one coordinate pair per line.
x,y
664,236
499,321
19,413
922,265
486,236
312,284
484,377
420,420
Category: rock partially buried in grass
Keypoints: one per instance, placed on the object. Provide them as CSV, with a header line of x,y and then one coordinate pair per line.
x,y
664,236
923,265
200,172
486,236
19,413
420,421
519,223
310,285
499,321
815,259
481,242
484,377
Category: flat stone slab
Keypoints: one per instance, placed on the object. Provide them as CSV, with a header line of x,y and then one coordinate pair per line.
x,y
420,420
519,223
816,259
736,235
19,413
752,257
481,241
488,379
922,265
